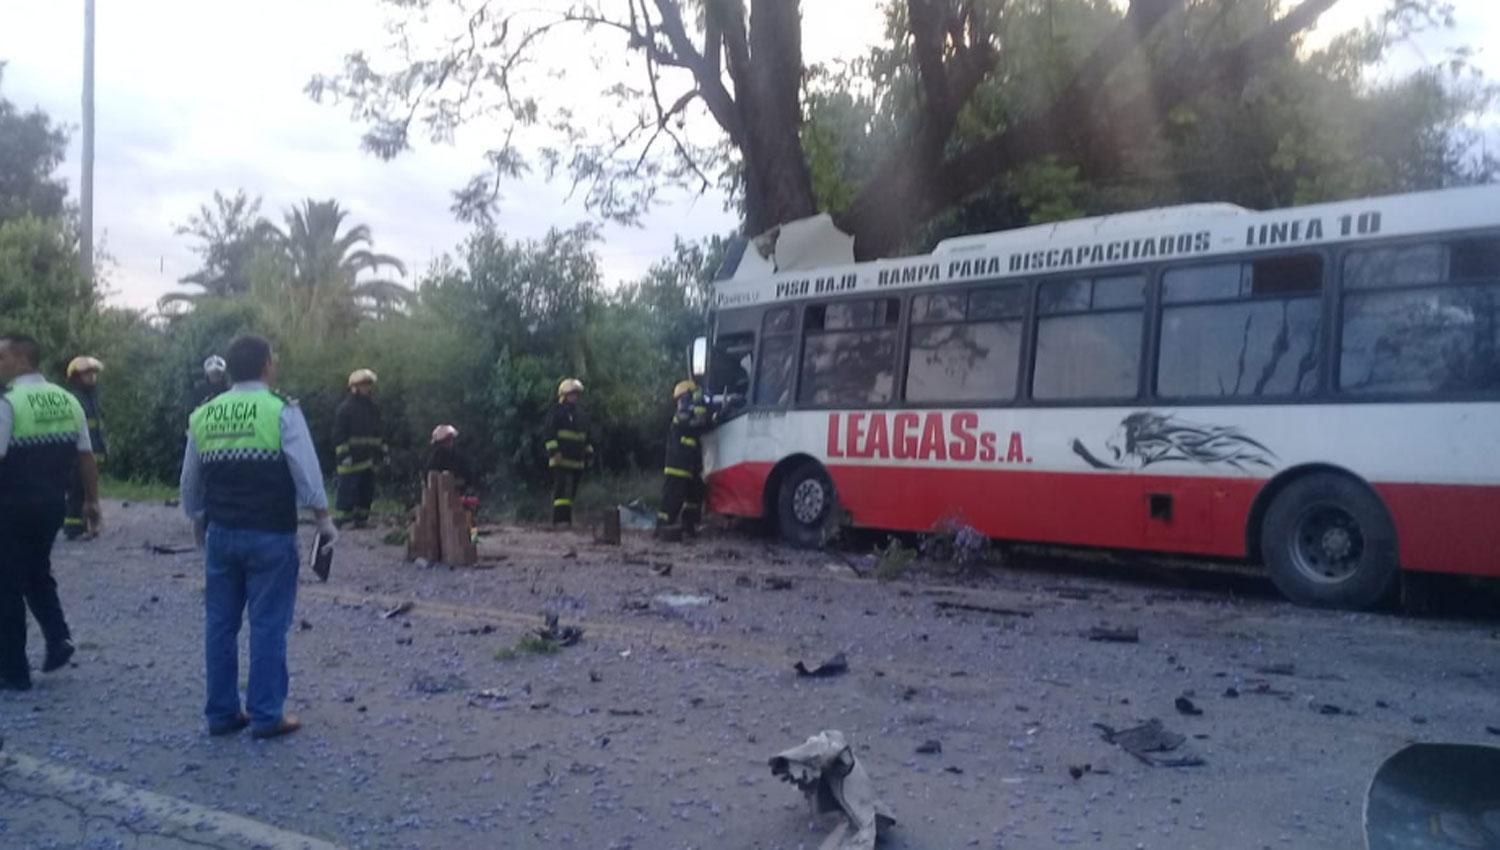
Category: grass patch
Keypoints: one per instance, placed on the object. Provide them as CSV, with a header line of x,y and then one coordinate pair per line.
x,y
395,537
135,490
529,644
893,561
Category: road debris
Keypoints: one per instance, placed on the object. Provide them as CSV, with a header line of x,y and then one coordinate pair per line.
x,y
1493,730
636,516
835,666
776,583
930,747
681,601
1282,669
1147,741
1107,634
560,635
831,778
1078,770
398,610
1331,710
167,549
661,570
429,683
1186,706
944,605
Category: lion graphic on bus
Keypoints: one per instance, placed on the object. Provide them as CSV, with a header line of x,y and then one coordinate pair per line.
x,y
1145,439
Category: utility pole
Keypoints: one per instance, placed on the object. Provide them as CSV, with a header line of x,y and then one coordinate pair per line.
x,y
86,191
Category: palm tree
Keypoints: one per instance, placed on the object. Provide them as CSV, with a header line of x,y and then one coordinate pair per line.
x,y
324,266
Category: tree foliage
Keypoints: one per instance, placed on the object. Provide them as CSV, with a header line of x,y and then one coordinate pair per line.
x,y
971,101
31,149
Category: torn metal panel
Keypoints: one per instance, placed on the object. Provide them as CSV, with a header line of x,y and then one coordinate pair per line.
x,y
827,772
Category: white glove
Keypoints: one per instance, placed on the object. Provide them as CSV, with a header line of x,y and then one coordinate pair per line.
x,y
329,532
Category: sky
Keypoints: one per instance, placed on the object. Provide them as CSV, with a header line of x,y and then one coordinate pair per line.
x,y
195,96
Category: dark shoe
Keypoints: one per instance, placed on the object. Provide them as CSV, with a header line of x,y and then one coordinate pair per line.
x,y
15,684
58,655
287,725
239,722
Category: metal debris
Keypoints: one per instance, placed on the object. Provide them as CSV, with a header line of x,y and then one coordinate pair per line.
x,y
828,774
1147,741
835,666
1112,635
397,611
943,605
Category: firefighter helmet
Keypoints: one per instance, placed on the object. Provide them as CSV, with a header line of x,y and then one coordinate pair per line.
x,y
443,432
683,388
213,364
79,365
570,385
362,376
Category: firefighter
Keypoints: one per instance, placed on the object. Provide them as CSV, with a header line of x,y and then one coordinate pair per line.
x,y
358,447
682,477
83,381
446,457
214,380
566,436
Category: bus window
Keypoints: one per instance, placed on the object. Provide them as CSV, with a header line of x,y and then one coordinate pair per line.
x,y
1218,340
778,358
849,352
1406,331
956,360
1088,343
730,368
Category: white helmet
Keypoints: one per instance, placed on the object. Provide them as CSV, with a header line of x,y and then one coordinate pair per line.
x,y
570,385
362,376
213,364
443,432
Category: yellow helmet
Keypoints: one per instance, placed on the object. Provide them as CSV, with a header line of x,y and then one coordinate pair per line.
x,y
683,388
570,385
362,376
79,365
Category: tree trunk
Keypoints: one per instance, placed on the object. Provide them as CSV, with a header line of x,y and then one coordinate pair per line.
x,y
778,183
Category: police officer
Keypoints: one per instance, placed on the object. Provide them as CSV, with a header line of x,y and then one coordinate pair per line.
x,y
83,381
566,437
682,476
358,447
248,467
43,438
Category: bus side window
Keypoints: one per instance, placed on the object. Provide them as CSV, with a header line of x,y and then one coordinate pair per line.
x,y
966,346
1088,338
1422,319
778,358
849,352
1237,330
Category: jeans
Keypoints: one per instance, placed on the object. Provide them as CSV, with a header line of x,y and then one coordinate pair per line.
x,y
257,569
26,535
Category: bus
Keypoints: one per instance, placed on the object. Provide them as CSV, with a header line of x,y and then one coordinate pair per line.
x,y
1315,389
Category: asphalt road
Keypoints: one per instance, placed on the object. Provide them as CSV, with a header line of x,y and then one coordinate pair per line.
x,y
654,731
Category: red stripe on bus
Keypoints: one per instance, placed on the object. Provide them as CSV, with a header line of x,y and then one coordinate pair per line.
x,y
1440,528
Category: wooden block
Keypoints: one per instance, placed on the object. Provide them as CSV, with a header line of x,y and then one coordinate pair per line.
x,y
609,530
453,526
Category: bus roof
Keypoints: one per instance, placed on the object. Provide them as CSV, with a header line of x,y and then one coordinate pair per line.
x,y
1094,245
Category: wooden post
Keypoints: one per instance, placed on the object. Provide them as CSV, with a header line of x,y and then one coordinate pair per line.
x,y
609,531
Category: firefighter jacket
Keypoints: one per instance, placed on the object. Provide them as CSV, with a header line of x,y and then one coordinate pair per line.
x,y
88,397
566,436
691,419
358,444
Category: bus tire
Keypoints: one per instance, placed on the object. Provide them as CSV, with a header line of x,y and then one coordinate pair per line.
x,y
805,506
1329,542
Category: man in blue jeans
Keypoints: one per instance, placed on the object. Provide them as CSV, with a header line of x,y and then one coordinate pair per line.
x,y
248,467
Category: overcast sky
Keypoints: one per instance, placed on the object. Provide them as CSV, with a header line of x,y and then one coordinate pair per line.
x,y
198,95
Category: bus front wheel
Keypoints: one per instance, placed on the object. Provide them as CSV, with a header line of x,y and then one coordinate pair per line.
x,y
805,506
1328,541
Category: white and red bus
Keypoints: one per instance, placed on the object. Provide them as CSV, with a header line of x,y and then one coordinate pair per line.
x,y
1315,388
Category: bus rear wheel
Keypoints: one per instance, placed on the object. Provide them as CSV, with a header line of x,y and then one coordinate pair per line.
x,y
1328,541
805,506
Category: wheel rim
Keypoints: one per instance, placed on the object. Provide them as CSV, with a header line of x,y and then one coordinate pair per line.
x,y
809,501
1327,544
